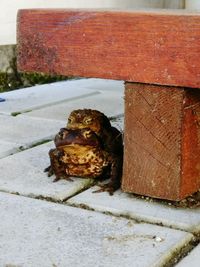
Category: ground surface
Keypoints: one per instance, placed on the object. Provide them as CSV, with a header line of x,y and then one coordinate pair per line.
x,y
65,224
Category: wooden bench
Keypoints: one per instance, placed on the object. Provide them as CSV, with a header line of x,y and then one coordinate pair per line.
x,y
157,54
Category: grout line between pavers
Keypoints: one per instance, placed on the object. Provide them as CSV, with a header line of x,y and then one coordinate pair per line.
x,y
46,139
40,197
178,255
33,108
87,207
25,147
126,216
97,208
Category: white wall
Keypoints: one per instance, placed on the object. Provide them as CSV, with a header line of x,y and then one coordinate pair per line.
x,y
193,4
8,10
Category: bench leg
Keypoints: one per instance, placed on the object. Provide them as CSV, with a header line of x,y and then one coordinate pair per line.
x,y
162,141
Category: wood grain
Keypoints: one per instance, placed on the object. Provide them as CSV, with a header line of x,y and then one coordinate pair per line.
x,y
162,141
148,47
190,142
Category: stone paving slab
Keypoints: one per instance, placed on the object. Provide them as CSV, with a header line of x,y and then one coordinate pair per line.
x,y
38,96
193,259
22,173
42,234
27,131
104,85
142,210
7,148
111,104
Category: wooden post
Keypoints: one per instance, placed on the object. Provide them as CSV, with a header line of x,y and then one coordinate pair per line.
x,y
162,141
153,50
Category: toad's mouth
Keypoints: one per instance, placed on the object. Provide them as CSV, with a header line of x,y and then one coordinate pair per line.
x,y
81,137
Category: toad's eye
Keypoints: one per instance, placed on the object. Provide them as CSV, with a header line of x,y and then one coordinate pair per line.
x,y
88,121
87,134
70,120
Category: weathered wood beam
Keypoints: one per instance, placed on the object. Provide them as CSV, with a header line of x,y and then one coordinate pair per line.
x,y
147,47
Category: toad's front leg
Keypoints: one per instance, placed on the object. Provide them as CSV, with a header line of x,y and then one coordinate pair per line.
x,y
57,166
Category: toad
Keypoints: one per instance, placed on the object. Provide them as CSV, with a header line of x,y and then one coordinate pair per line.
x,y
88,147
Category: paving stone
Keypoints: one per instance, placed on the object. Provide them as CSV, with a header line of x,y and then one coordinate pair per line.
x,y
27,131
110,103
193,259
38,96
104,85
7,148
143,210
23,173
43,234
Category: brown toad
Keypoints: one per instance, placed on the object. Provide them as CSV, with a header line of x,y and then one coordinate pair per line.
x,y
89,147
